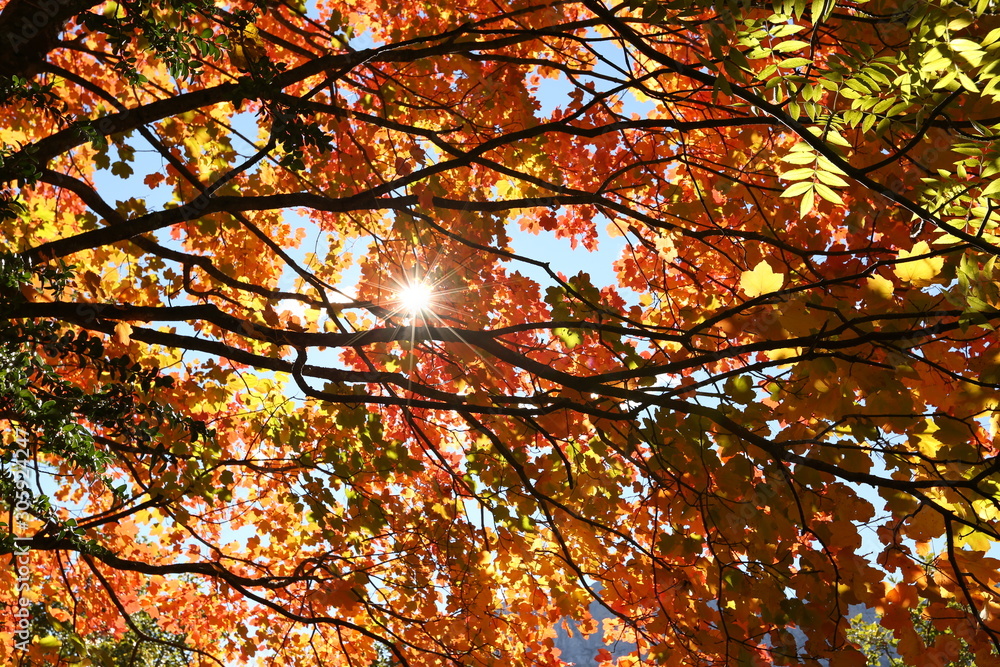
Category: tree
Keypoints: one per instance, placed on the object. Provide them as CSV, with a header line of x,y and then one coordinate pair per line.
x,y
240,420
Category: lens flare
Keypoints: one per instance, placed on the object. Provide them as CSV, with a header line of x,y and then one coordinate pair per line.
x,y
415,297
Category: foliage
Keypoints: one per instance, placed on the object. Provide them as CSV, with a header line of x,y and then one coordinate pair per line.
x,y
60,387
881,647
144,645
777,401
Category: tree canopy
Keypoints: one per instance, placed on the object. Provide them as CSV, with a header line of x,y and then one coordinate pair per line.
x,y
289,387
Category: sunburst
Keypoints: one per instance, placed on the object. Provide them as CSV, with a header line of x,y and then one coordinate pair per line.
x,y
415,297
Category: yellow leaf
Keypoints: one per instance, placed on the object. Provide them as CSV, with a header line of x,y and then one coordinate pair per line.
x,y
918,271
614,230
123,333
976,541
761,280
783,353
926,442
807,203
247,48
880,288
665,247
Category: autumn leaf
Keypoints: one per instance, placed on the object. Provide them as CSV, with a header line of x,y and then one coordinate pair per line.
x,y
247,48
123,332
914,267
761,280
881,289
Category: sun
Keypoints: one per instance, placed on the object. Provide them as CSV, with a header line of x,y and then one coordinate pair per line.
x,y
415,297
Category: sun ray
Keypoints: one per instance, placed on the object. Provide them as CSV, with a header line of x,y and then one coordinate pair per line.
x,y
415,297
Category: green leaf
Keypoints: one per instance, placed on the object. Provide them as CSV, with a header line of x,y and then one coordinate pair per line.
x,y
799,158
740,388
122,169
792,63
570,337
991,190
831,179
798,175
797,189
807,203
791,45
828,194
821,10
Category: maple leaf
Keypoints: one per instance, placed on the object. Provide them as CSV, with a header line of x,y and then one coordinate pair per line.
x,y
880,288
914,266
761,280
123,331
